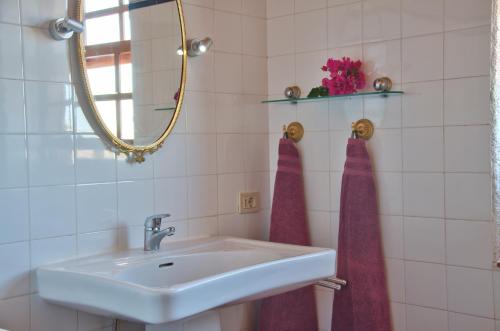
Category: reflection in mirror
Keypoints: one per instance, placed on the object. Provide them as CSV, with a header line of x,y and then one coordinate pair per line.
x,y
134,73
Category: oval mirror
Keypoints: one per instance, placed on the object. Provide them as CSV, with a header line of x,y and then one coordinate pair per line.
x,y
132,62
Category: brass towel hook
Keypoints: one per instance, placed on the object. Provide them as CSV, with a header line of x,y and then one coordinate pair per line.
x,y
294,131
363,129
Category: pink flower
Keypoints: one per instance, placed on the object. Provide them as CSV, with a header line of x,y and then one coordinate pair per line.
x,y
346,76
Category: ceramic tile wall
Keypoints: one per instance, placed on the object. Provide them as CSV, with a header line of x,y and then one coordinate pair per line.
x,y
430,149
63,194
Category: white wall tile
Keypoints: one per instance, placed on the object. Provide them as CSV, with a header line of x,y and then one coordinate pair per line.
x,y
395,273
468,196
39,47
256,149
255,73
385,113
390,192
280,37
200,112
254,29
280,76
426,284
95,162
313,151
312,115
461,14
313,23
423,58
96,207
12,119
227,40
467,53
13,168
15,313
392,236
15,215
319,228
306,76
385,150
460,322
9,11
202,201
279,7
230,113
233,225
255,8
424,239
317,188
423,194
423,149
467,148
135,202
228,73
425,319
97,243
11,60
229,188
467,101
171,159
398,315
422,17
52,211
230,153
423,104
51,159
40,13
51,250
469,244
201,154
47,316
477,300
15,278
382,59
49,107
345,25
171,197
381,20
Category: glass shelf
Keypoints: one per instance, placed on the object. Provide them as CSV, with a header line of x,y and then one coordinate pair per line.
x,y
361,94
165,109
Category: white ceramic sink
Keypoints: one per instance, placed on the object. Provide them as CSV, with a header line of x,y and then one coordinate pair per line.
x,y
183,279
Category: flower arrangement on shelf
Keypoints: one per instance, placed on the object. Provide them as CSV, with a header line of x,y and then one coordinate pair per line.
x,y
346,77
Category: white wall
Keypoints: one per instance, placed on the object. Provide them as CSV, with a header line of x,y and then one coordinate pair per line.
x,y
63,194
430,148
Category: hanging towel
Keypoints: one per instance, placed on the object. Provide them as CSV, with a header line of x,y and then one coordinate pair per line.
x,y
296,310
363,305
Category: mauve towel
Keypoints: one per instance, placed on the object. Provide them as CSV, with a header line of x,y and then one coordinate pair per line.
x,y
296,310
363,305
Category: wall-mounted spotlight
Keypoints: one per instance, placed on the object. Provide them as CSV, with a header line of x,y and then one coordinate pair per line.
x,y
197,47
64,28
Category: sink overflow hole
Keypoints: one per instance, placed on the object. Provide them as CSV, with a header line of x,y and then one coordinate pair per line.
x,y
169,264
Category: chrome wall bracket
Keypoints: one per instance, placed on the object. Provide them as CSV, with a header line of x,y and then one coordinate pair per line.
x,y
332,283
64,28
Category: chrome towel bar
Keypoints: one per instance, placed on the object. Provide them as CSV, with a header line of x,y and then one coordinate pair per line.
x,y
332,283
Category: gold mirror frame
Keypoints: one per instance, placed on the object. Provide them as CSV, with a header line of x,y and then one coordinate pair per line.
x,y
135,152
495,121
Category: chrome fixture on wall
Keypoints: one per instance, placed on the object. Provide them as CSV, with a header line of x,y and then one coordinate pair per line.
x,y
64,28
197,47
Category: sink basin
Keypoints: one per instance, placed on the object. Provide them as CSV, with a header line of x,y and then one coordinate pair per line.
x,y
182,279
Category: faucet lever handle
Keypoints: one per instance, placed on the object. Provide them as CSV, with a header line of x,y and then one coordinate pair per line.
x,y
154,222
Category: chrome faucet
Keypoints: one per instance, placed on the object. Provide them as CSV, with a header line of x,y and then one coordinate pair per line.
x,y
152,233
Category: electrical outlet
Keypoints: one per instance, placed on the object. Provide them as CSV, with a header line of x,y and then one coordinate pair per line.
x,y
249,202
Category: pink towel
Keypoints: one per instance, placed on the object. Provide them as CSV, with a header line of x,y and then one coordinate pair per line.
x,y
296,310
364,304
